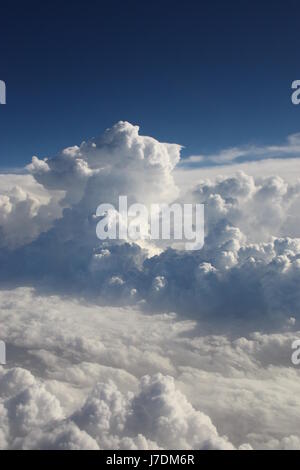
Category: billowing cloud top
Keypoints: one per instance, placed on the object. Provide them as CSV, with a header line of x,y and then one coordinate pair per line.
x,y
119,162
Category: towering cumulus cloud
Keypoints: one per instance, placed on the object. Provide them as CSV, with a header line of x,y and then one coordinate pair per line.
x,y
116,344
120,162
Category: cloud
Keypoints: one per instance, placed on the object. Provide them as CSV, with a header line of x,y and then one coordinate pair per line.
x,y
289,149
248,263
24,216
158,411
245,266
61,436
186,177
108,418
120,162
120,345
84,376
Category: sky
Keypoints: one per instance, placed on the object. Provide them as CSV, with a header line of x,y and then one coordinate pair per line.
x,y
206,75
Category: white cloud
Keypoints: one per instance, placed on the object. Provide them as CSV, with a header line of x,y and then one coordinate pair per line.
x,y
24,216
98,369
120,162
79,381
291,148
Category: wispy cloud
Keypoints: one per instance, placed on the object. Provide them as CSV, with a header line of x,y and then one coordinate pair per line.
x,y
289,149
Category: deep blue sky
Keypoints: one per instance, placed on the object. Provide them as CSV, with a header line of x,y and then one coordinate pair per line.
x,y
206,74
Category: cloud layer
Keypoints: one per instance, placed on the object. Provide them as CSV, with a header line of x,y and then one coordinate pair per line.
x,y
99,377
121,345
